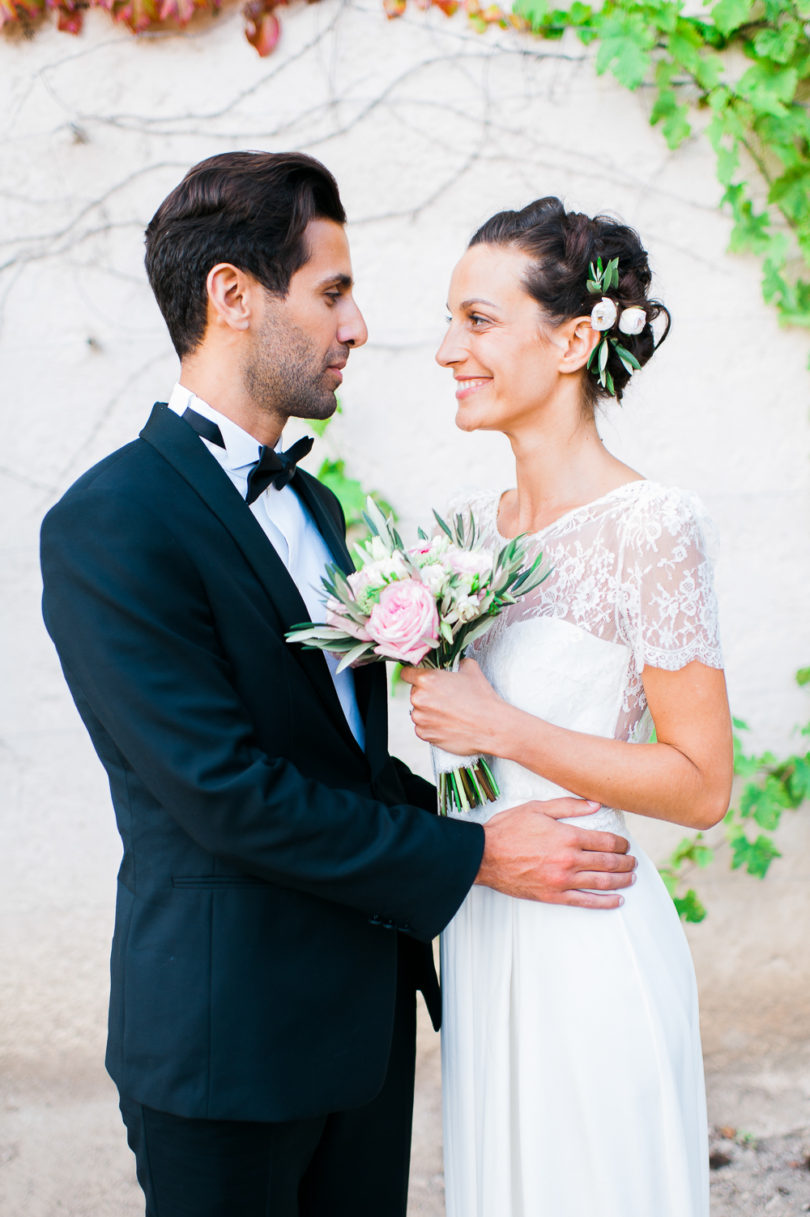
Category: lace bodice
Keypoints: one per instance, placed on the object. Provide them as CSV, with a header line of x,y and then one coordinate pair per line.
x,y
630,585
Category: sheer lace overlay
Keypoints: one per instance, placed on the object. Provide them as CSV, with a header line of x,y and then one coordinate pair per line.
x,y
630,568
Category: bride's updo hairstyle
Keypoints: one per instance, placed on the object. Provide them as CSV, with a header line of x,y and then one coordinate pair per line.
x,y
562,246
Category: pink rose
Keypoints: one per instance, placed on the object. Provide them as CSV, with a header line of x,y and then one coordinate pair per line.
x,y
405,622
470,562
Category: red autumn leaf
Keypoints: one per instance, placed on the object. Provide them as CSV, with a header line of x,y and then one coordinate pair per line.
x,y
10,9
137,15
70,20
394,8
262,28
180,11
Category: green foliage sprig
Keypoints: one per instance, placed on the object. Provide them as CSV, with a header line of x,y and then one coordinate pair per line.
x,y
769,786
602,280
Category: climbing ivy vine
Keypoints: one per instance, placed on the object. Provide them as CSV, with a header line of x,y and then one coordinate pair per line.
x,y
736,72
740,77
767,787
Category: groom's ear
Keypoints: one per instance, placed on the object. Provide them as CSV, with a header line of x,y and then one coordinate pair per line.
x,y
230,296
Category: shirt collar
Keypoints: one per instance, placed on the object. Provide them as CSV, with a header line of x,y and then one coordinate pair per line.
x,y
241,448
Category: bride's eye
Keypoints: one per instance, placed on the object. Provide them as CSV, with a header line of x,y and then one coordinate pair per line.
x,y
476,320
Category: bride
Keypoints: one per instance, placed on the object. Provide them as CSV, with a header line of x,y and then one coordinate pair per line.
x,y
572,1073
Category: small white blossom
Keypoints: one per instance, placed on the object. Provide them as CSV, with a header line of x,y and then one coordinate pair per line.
x,y
468,607
603,314
434,576
632,320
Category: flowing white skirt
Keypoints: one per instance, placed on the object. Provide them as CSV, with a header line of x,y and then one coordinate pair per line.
x,y
571,1059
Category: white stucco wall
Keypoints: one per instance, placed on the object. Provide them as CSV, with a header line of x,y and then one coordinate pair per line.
x,y
429,128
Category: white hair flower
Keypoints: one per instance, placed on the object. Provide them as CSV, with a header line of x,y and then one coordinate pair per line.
x,y
603,314
632,320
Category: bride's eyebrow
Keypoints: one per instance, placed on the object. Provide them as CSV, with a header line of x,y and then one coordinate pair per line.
x,y
474,301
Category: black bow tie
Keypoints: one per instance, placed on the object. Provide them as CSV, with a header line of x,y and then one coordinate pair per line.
x,y
272,468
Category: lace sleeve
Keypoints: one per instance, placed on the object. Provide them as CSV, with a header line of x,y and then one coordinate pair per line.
x,y
668,610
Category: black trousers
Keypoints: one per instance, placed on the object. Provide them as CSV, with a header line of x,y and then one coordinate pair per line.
x,y
344,1164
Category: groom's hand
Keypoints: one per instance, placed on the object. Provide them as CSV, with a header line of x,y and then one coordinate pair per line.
x,y
528,853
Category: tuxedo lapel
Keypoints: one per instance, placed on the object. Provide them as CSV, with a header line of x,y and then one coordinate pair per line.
x,y
312,495
178,444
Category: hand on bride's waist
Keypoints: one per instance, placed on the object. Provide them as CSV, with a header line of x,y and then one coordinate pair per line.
x,y
458,711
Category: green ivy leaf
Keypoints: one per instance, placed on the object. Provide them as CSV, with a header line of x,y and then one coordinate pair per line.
x,y
791,191
750,232
690,907
765,803
625,43
756,856
685,47
778,44
533,11
769,87
803,677
729,15
799,779
675,124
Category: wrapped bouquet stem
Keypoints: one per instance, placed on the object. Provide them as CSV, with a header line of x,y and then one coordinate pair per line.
x,y
462,782
424,605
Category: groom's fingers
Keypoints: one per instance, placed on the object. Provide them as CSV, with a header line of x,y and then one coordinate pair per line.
x,y
610,863
589,900
605,881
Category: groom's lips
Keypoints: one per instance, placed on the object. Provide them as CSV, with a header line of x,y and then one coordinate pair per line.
x,y
337,370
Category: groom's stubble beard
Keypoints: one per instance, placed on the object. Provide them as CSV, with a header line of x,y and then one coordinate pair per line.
x,y
286,376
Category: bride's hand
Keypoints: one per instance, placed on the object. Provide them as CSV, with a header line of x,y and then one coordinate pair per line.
x,y
455,710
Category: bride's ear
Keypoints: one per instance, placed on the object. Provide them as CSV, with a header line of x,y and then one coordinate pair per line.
x,y
580,339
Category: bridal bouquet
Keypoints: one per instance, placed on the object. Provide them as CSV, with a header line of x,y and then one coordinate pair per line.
x,y
423,604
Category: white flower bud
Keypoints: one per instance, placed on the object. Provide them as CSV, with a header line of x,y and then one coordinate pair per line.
x,y
632,320
603,314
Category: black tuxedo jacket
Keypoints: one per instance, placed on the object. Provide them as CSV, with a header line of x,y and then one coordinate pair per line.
x,y
272,872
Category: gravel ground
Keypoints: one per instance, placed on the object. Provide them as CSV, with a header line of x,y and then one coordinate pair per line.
x,y
63,1152
770,1176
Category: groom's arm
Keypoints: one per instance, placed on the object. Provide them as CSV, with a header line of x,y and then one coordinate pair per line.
x,y
417,791
127,610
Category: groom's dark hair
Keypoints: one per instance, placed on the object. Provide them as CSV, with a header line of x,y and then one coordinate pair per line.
x,y
246,208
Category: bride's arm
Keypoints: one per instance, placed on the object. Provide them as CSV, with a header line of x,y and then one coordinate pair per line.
x,y
685,776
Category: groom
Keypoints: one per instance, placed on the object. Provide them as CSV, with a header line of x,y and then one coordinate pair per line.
x,y
282,875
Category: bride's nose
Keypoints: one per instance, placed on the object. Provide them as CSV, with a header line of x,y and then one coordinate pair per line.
x,y
451,349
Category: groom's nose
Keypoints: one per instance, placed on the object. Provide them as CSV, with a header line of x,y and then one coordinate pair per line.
x,y
352,331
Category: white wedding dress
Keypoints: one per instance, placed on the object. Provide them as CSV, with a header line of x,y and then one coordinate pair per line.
x,y
572,1071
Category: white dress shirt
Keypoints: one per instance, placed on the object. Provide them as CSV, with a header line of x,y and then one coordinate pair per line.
x,y
286,524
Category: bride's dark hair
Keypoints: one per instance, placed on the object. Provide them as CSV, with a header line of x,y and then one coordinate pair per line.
x,y
562,245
